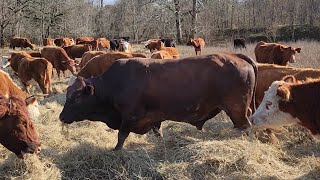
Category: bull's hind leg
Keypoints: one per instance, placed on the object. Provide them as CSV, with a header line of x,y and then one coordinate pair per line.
x,y
122,136
238,114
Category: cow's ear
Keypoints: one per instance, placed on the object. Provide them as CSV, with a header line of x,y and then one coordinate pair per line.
x,y
281,48
289,79
89,90
31,100
284,93
298,50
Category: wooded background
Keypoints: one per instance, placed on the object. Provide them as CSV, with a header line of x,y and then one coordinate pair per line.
x,y
214,20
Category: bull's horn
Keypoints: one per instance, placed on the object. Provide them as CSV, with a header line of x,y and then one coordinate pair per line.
x,y
5,57
12,51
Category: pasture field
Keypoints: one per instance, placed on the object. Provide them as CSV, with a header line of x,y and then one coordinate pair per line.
x,y
83,150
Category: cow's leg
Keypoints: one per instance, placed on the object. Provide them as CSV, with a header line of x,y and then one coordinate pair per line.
x,y
157,130
122,136
58,73
27,87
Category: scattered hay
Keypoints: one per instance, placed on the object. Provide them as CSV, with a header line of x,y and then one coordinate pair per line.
x,y
83,150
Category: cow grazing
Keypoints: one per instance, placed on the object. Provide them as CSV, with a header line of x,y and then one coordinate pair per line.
x,y
273,53
87,56
239,43
33,53
99,64
84,40
21,42
31,69
135,95
198,44
77,51
59,59
48,42
168,42
288,103
16,111
161,55
17,130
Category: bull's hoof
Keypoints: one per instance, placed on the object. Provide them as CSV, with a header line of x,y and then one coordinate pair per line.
x,y
117,148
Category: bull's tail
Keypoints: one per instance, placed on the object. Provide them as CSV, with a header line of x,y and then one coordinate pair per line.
x,y
255,68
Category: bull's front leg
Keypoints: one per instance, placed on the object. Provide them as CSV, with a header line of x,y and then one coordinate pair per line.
x,y
122,136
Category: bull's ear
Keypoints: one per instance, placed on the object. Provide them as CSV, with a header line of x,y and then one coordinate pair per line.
x,y
284,93
289,79
89,90
298,50
31,100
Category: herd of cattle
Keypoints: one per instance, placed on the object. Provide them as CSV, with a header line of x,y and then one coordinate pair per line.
x,y
132,93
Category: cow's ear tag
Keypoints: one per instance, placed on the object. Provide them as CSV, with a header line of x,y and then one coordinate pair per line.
x,y
90,90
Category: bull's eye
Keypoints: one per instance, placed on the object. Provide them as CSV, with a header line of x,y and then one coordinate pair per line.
x,y
268,104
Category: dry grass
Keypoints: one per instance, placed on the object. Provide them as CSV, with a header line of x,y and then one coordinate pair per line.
x,y
84,149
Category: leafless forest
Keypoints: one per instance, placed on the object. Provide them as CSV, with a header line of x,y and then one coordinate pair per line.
x,y
214,20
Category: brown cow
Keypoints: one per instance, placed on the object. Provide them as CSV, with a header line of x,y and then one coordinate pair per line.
x,y
31,69
158,45
198,44
273,53
48,42
135,95
21,42
87,56
267,73
290,102
103,43
65,41
33,53
161,55
77,51
59,59
97,65
14,117
84,40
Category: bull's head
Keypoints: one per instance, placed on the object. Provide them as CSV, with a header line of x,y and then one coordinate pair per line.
x,y
17,130
80,101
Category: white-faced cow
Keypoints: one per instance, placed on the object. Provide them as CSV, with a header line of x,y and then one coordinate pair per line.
x,y
288,103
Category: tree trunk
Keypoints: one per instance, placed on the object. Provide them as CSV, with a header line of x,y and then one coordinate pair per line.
x,y
194,19
178,20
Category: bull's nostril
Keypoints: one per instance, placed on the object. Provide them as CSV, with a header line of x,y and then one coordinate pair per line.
x,y
39,149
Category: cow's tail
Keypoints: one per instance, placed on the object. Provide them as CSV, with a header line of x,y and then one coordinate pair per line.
x,y
255,68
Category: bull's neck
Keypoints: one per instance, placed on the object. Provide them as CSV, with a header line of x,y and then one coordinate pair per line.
x,y
100,89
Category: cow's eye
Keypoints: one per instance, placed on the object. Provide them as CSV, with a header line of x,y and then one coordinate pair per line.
x,y
268,104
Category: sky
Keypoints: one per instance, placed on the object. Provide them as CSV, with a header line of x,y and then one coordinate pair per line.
x,y
109,1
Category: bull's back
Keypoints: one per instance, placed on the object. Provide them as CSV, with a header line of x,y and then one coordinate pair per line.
x,y
179,86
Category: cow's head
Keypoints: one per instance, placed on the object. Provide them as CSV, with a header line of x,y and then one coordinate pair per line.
x,y
81,101
289,53
190,42
71,65
17,130
268,114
